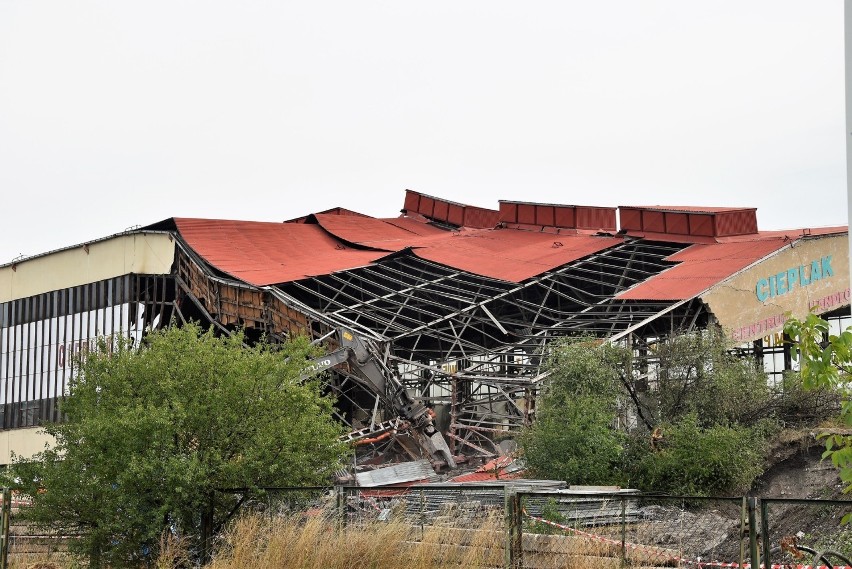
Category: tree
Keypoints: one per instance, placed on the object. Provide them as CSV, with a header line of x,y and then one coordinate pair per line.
x,y
153,434
572,437
700,374
710,412
825,363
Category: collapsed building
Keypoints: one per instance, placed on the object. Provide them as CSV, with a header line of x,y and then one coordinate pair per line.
x,y
435,321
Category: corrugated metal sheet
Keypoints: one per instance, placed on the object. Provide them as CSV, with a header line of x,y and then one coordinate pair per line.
x,y
416,227
268,253
512,255
700,267
414,471
501,468
370,232
333,211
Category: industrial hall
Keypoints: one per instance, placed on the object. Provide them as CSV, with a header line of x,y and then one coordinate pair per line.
x,y
436,320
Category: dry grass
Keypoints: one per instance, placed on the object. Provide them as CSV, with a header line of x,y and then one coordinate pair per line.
x,y
321,543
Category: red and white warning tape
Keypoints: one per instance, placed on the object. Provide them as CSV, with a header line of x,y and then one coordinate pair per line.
x,y
666,554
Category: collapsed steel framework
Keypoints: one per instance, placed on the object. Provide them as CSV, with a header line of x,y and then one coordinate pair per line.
x,y
468,346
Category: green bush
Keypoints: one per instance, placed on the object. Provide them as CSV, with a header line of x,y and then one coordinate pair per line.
x,y
576,443
572,438
691,460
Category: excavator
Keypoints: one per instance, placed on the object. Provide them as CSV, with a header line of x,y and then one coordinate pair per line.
x,y
365,363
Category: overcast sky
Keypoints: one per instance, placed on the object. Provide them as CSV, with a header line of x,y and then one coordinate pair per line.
x,y
116,113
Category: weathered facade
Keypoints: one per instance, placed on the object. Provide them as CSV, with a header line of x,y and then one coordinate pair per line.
x,y
451,303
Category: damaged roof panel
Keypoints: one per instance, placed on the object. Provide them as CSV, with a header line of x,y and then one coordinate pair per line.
x,y
376,233
700,267
512,255
261,253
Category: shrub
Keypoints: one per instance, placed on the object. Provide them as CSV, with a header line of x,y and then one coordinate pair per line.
x,y
691,460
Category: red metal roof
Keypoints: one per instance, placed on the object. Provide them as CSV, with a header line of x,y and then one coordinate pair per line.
x,y
509,254
418,227
267,253
500,468
372,232
330,211
702,265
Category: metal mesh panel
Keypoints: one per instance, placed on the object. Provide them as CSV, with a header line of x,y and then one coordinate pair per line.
x,y
798,531
570,530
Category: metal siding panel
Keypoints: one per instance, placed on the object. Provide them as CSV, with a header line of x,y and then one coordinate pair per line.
x,y
701,224
412,201
595,218
565,217
736,223
427,206
676,223
455,215
544,215
508,212
481,218
631,218
653,221
442,208
526,213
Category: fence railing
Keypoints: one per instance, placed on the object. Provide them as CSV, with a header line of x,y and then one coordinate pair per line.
x,y
542,529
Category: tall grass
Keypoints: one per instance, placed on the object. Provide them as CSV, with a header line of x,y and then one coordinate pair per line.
x,y
258,541
255,542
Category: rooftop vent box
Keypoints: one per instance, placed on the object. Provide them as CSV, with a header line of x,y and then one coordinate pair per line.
x,y
555,215
445,211
695,221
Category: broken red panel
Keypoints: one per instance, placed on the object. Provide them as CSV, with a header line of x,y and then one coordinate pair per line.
x,y
595,218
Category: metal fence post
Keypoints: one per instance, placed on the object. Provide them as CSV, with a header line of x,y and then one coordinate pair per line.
x,y
340,504
5,514
764,532
422,515
515,531
507,514
752,532
623,531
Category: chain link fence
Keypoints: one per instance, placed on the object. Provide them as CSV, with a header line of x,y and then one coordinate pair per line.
x,y
805,532
518,527
569,529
